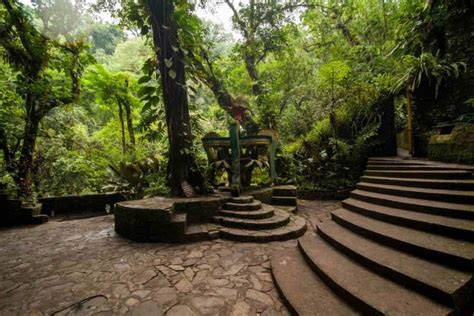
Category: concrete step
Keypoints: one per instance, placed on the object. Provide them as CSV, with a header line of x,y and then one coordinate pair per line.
x,y
179,221
423,183
403,167
447,226
285,200
416,205
294,229
425,174
242,199
279,219
265,212
393,158
428,246
284,190
39,219
255,205
396,163
201,232
367,291
452,196
451,287
303,291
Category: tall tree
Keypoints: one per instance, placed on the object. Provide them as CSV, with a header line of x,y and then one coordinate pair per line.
x,y
262,26
182,167
49,77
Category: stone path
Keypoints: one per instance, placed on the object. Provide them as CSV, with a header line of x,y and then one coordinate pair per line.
x,y
81,267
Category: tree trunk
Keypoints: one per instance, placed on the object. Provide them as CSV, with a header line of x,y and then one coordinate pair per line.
x,y
122,126
24,178
182,167
128,116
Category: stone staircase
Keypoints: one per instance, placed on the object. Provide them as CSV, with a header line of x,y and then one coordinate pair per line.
x,y
247,219
402,244
285,196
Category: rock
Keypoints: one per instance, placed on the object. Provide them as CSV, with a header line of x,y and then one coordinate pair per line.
x,y
217,272
241,309
166,297
217,282
190,262
189,273
256,284
166,271
181,310
259,297
205,266
184,286
158,281
176,261
226,292
120,290
208,305
200,276
176,267
145,276
234,269
195,254
131,301
141,293
147,308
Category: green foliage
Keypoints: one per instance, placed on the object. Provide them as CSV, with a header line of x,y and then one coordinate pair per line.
x,y
138,178
311,70
427,67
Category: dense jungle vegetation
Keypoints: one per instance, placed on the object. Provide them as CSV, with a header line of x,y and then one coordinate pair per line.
x,y
90,104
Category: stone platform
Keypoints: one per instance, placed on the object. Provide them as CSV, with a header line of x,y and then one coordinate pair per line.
x,y
82,267
248,218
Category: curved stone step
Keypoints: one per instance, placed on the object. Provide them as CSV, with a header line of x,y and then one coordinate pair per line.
x,y
280,218
285,200
444,250
367,291
294,229
451,287
404,167
395,162
423,183
255,205
305,294
284,190
391,158
438,174
417,205
447,226
265,212
242,199
453,196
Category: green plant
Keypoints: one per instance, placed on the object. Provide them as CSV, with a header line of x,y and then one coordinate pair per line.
x,y
426,67
136,178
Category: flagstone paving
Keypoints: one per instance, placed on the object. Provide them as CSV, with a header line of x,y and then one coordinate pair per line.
x,y
82,267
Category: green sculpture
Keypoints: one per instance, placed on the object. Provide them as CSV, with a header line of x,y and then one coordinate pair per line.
x,y
238,155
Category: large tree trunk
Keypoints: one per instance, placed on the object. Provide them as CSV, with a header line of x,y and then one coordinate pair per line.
x,y
182,167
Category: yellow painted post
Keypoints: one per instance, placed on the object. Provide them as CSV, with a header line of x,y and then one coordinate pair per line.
x,y
410,122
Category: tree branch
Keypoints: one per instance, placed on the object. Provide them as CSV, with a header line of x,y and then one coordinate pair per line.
x,y
239,21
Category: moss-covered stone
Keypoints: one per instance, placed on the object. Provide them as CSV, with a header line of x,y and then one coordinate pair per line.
x,y
456,147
